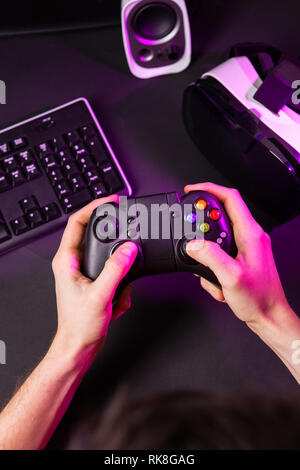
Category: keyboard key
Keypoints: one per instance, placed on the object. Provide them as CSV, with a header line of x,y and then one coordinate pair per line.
x,y
16,177
71,137
19,225
44,149
57,143
28,204
77,182
76,200
35,218
4,149
51,212
85,162
4,232
91,175
97,150
64,154
79,149
49,162
70,168
9,164
55,175
111,178
98,189
18,143
25,157
62,188
32,171
87,132
4,184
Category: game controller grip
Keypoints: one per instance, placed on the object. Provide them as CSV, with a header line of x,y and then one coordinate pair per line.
x,y
162,254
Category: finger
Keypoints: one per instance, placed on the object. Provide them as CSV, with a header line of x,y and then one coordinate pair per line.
x,y
233,202
123,303
115,269
213,290
75,229
210,254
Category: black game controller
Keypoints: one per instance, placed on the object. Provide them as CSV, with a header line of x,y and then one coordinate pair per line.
x,y
161,242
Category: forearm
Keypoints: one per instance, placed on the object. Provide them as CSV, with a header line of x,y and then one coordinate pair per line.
x,y
280,330
31,417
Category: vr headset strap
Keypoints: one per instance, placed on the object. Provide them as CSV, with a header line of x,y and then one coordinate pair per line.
x,y
280,75
281,87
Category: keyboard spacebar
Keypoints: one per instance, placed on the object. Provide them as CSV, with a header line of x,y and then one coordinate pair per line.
x,y
76,200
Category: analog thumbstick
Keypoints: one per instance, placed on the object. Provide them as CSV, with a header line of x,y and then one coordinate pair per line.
x,y
183,253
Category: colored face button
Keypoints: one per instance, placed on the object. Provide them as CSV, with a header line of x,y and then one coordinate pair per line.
x,y
205,227
214,214
201,204
191,218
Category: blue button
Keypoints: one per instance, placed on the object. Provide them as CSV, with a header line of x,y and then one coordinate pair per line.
x,y
191,218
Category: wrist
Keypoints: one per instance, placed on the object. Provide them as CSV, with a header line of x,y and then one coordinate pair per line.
x,y
278,328
277,315
73,355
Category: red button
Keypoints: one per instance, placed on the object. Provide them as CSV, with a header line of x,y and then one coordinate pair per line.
x,y
214,214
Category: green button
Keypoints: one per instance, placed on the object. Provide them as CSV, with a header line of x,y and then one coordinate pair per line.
x,y
205,227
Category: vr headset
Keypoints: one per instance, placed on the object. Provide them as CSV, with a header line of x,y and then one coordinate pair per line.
x,y
244,116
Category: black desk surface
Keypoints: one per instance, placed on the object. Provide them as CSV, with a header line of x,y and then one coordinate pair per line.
x,y
173,338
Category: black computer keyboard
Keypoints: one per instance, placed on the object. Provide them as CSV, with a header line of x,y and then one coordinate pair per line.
x,y
51,165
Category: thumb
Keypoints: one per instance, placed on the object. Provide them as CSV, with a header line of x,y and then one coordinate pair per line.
x,y
115,269
210,254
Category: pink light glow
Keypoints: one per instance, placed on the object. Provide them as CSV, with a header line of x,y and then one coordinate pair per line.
x,y
74,263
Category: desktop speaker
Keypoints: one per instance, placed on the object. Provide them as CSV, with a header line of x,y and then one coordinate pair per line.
x,y
156,36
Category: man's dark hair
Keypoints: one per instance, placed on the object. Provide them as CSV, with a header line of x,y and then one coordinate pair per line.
x,y
190,421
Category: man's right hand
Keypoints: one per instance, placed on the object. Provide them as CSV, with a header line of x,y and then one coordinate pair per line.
x,y
250,283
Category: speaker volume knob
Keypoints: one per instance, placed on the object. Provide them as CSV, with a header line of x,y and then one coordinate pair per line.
x,y
154,21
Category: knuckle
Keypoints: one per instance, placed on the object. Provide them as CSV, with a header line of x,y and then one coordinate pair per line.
x,y
266,238
260,235
237,279
55,263
93,297
235,192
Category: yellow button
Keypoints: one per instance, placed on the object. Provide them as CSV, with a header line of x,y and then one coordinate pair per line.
x,y
205,227
201,204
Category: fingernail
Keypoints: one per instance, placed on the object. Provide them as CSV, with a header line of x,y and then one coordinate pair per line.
x,y
195,245
129,249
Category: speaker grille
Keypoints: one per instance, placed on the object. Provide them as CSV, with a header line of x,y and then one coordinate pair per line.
x,y
154,21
